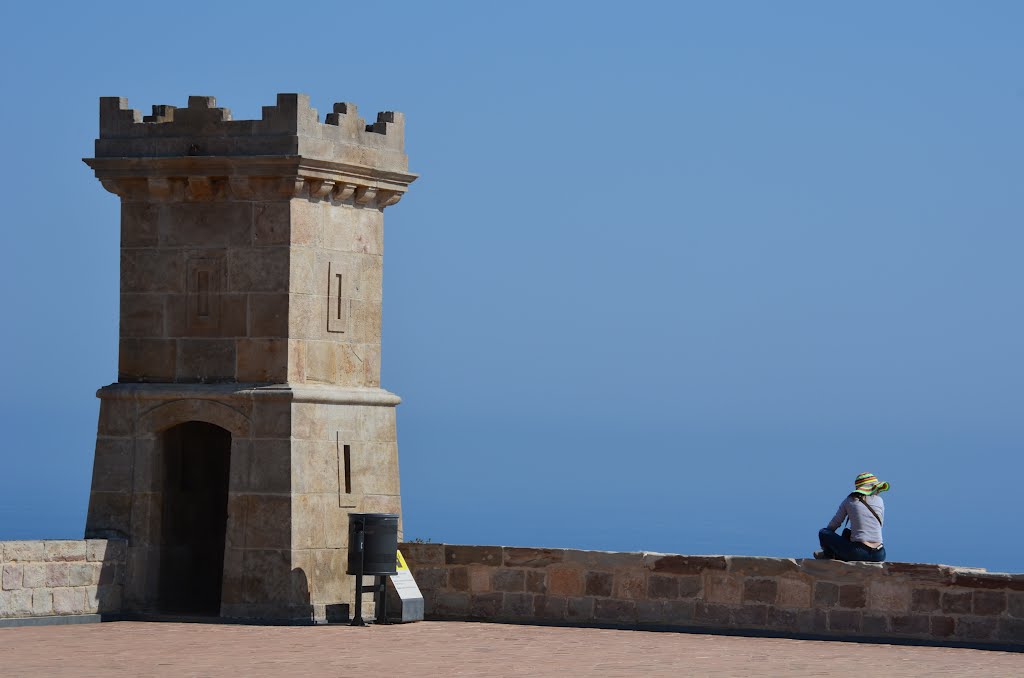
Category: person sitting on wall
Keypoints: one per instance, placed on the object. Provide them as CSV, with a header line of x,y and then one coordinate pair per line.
x,y
863,539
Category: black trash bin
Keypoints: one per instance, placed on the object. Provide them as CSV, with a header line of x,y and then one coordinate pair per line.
x,y
372,550
373,543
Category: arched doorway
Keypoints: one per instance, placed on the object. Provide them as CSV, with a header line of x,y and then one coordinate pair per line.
x,y
196,460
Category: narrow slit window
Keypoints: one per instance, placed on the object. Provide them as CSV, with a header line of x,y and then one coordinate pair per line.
x,y
344,457
348,469
338,308
203,293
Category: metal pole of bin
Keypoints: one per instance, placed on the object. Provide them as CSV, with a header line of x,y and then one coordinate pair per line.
x,y
380,599
357,617
376,533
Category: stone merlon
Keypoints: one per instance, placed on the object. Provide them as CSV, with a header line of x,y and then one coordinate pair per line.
x,y
290,128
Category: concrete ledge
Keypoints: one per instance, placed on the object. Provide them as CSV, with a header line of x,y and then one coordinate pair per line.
x,y
298,393
51,621
230,621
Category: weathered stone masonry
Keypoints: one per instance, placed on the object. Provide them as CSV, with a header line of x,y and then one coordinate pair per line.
x,y
911,601
248,418
60,578
653,590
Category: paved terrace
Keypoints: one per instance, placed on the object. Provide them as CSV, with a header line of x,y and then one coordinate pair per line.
x,y
457,648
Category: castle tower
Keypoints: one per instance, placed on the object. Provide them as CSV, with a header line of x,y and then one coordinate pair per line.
x,y
247,421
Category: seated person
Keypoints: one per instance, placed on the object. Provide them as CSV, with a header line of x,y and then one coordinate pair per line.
x,y
865,510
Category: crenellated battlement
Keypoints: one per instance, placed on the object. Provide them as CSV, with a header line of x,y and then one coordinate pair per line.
x,y
291,127
200,153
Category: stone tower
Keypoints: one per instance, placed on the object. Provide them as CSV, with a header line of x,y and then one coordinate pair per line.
x,y
247,421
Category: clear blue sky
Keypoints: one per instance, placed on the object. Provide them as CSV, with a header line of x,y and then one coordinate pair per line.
x,y
673,274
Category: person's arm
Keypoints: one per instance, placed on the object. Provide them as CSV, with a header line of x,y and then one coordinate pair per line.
x,y
838,518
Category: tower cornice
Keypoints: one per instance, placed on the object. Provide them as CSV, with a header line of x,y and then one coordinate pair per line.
x,y
192,178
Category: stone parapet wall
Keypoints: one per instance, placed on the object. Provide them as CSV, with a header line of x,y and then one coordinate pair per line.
x,y
289,128
61,578
820,598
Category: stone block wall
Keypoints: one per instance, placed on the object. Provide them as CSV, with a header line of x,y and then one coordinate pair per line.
x,y
204,291
251,250
61,578
266,291
336,284
817,598
301,460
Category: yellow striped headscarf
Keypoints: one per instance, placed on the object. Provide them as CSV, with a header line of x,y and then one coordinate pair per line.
x,y
867,483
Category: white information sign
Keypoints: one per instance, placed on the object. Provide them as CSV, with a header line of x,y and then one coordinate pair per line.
x,y
408,592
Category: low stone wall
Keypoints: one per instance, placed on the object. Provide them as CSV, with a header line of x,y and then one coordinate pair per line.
x,y
60,579
803,598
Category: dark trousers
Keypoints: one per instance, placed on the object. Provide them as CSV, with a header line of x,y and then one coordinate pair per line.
x,y
839,547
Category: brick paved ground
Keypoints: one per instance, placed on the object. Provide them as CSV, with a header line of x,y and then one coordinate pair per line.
x,y
455,648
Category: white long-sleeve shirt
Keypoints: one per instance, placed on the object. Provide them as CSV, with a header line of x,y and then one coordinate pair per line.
x,y
865,527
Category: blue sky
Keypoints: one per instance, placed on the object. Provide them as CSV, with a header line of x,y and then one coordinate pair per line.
x,y
673,274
